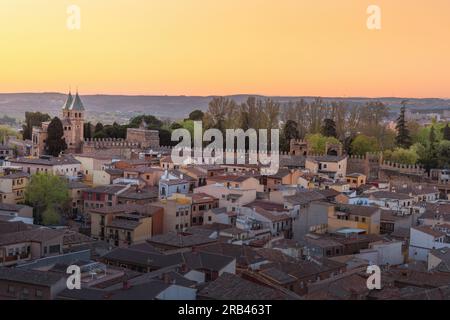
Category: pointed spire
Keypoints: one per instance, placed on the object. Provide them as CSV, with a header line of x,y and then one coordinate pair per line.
x,y
77,105
69,101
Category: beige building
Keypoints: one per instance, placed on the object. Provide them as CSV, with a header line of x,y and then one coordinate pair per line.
x,y
177,212
283,177
124,225
149,175
29,244
91,163
12,187
61,166
356,180
76,189
334,167
201,203
345,216
233,191
106,177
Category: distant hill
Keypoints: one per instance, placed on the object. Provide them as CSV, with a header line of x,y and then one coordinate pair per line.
x,y
120,108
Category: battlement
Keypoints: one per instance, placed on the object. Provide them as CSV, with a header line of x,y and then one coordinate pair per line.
x,y
367,156
402,168
103,143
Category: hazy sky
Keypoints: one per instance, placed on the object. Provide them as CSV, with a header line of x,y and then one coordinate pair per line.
x,y
203,47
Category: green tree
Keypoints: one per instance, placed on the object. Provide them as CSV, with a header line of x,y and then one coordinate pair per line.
x,y
363,144
423,134
401,155
151,122
403,139
387,139
115,131
329,128
196,115
55,142
165,138
428,152
288,133
100,135
222,114
317,142
7,131
175,126
98,127
443,154
446,132
87,130
371,119
50,217
46,192
33,119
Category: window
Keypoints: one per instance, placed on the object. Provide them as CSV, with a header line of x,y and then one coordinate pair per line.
x,y
209,218
38,293
364,220
54,248
11,289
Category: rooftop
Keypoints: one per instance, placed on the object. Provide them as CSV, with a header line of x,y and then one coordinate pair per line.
x,y
232,287
366,211
32,235
16,175
180,240
430,231
39,278
109,189
47,161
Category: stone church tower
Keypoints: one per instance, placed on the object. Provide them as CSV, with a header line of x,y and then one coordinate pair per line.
x,y
73,123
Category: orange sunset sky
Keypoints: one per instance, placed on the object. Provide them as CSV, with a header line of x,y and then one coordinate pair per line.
x,y
206,47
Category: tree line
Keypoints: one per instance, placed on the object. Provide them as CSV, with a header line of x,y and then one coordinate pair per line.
x,y
360,128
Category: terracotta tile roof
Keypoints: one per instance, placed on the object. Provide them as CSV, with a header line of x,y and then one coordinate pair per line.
x,y
232,287
430,231
244,255
274,217
267,205
33,235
